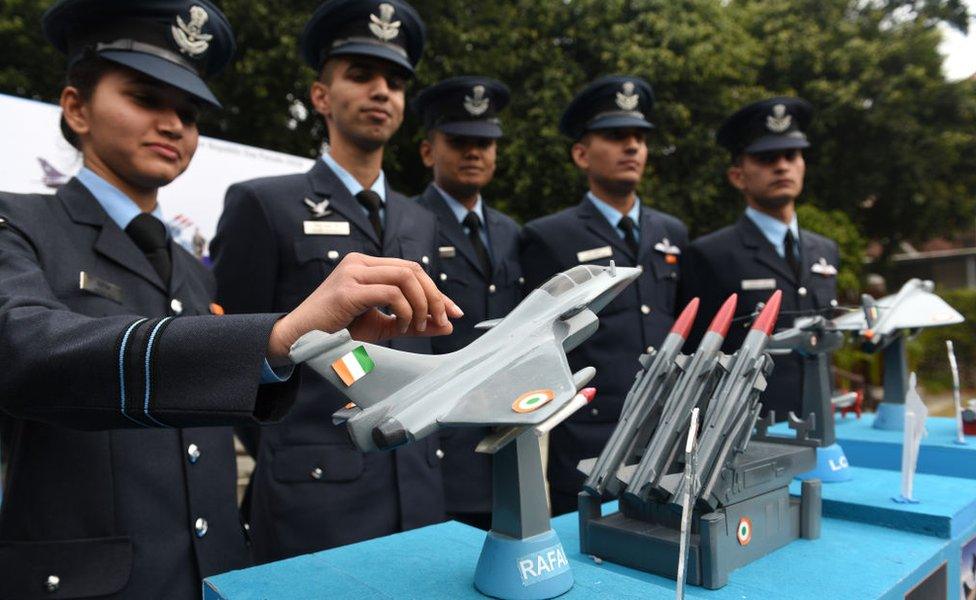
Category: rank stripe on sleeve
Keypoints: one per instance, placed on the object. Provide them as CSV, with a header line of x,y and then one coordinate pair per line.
x,y
122,347
151,367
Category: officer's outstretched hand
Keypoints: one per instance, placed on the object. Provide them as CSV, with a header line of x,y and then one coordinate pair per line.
x,y
351,296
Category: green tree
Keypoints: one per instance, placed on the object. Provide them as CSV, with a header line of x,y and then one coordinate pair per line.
x,y
894,143
893,140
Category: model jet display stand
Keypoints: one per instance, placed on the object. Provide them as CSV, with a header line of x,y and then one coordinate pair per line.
x,y
522,557
813,339
515,378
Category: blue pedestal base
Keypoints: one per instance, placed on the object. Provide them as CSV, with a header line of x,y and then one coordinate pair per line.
x,y
535,568
890,417
832,466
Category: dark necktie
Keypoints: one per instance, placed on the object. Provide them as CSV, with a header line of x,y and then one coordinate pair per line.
x,y
789,252
627,225
473,223
372,201
149,234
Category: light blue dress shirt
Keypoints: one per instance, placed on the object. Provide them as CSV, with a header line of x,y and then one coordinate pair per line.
x,y
354,187
122,210
613,215
461,211
119,207
774,230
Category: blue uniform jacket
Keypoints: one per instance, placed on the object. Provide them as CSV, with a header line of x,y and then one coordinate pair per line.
x,y
118,484
739,259
312,489
638,318
467,475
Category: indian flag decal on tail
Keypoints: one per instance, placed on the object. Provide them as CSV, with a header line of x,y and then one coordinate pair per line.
x,y
353,366
744,531
532,401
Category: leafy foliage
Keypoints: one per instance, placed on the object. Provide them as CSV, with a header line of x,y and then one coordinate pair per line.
x,y
894,152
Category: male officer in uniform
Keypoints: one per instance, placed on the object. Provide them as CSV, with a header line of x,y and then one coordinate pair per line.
x,y
477,250
279,237
117,372
608,125
766,249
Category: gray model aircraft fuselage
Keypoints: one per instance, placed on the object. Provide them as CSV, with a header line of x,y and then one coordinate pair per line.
x,y
915,306
516,374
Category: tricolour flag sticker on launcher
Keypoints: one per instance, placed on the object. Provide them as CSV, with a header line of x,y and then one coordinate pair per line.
x,y
353,366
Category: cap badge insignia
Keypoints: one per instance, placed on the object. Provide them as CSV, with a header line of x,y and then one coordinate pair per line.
x,y
318,209
189,36
779,121
383,26
477,102
627,99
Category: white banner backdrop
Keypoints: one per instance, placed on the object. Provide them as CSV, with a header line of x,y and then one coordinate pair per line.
x,y
35,158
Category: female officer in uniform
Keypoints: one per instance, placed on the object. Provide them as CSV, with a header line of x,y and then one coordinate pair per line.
x,y
118,376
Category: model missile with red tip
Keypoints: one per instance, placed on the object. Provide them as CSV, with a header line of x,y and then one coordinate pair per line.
x,y
652,383
697,381
734,406
584,397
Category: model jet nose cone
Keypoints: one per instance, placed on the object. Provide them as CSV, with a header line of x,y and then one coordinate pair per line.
x,y
723,318
868,334
628,273
588,393
766,320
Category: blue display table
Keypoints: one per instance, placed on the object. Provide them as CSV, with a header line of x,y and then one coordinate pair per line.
x,y
850,560
866,446
946,506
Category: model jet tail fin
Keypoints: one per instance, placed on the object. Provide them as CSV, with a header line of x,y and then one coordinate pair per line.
x,y
364,373
49,169
871,314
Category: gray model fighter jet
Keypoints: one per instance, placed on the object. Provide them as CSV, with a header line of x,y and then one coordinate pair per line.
x,y
914,307
516,374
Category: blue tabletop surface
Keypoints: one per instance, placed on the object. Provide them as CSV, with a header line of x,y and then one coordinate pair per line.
x,y
850,560
946,505
866,446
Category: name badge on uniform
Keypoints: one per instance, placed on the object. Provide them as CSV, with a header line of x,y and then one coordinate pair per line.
x,y
823,269
758,284
446,251
99,287
326,227
594,254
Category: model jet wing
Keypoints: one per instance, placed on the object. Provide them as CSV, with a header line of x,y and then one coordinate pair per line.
x,y
525,392
366,373
913,311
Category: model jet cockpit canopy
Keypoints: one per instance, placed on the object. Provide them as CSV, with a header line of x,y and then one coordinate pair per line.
x,y
567,280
